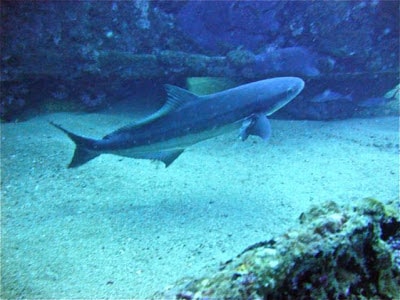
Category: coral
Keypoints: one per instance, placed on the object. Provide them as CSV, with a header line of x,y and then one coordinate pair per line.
x,y
93,101
337,252
54,105
240,57
143,7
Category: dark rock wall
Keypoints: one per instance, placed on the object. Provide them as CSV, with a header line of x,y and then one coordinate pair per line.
x,y
91,53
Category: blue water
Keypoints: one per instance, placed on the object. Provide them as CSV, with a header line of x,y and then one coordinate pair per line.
x,y
118,227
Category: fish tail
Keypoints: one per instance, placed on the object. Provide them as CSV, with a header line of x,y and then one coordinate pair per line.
x,y
82,153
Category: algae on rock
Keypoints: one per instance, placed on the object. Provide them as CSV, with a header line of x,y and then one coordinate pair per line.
x,y
337,252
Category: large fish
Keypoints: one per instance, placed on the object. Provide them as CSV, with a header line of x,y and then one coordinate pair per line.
x,y
186,119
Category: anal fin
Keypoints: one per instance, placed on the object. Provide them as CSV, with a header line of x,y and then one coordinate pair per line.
x,y
167,156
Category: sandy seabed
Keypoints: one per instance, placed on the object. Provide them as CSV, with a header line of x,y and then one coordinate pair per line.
x,y
125,228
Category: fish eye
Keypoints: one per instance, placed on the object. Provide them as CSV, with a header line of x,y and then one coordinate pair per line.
x,y
290,90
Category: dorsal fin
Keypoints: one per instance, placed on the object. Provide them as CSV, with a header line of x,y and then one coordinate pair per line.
x,y
176,98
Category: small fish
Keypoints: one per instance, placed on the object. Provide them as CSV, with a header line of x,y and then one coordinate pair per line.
x,y
393,93
329,95
290,60
373,102
186,119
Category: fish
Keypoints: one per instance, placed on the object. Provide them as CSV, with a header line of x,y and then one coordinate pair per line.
x,y
328,95
393,93
373,102
186,119
290,60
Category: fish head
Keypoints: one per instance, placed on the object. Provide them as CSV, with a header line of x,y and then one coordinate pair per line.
x,y
277,92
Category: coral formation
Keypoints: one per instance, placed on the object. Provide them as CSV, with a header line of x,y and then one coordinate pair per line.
x,y
336,252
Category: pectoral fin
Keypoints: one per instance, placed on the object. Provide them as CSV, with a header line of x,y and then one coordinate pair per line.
x,y
256,124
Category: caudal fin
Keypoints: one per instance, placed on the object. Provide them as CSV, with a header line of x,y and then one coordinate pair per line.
x,y
82,154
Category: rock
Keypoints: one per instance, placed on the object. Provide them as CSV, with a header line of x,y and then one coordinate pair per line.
x,y
335,252
95,47
219,26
